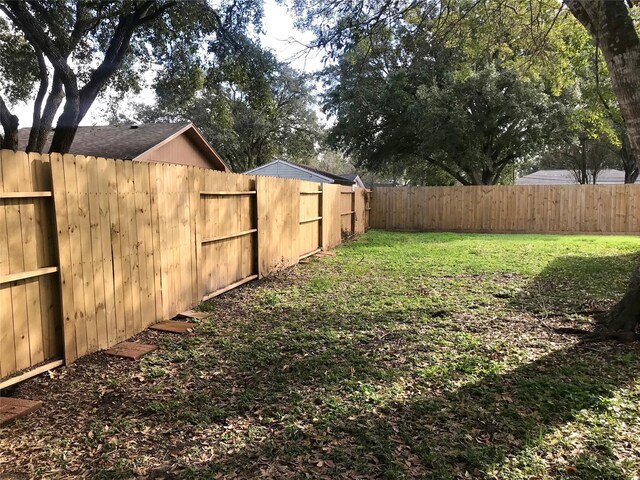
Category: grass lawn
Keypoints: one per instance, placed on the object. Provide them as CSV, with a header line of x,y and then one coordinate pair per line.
x,y
407,355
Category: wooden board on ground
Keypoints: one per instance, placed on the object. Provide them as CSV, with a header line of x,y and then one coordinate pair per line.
x,y
12,408
194,314
131,350
326,254
173,326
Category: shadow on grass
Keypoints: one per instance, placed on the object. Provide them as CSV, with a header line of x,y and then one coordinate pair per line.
x,y
328,413
574,284
442,435
327,395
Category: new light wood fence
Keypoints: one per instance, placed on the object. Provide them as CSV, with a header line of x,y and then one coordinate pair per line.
x,y
600,209
93,251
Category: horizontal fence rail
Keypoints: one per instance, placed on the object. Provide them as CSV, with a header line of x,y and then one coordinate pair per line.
x,y
94,250
597,209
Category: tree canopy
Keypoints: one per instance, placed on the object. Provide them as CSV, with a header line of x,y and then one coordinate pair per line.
x,y
251,106
72,51
469,104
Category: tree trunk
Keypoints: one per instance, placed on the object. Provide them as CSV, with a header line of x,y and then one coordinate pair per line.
x,y
67,125
623,319
631,174
611,26
39,135
629,162
9,124
37,107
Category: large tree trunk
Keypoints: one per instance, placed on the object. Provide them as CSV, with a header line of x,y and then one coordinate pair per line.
x,y
40,133
37,107
611,26
67,124
623,319
629,161
9,124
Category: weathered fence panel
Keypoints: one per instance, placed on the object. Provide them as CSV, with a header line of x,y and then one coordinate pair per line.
x,y
599,209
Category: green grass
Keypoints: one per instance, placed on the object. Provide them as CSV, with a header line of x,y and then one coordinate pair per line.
x,y
405,356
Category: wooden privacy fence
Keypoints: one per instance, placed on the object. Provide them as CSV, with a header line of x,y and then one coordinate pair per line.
x,y
601,209
93,251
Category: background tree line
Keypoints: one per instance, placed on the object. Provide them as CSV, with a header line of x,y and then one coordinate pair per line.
x,y
419,92
470,92
63,55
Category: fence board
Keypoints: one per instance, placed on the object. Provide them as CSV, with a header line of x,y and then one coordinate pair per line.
x,y
40,171
63,232
331,218
7,344
602,209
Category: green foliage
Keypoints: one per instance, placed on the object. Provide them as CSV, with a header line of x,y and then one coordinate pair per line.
x,y
251,107
108,47
388,53
18,67
406,97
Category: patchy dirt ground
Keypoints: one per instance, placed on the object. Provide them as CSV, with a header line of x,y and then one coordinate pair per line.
x,y
406,356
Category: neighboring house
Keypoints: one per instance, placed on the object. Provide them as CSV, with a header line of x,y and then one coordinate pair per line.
x,y
179,143
566,177
284,169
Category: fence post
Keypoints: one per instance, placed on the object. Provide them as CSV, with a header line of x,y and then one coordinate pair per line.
x,y
321,212
262,212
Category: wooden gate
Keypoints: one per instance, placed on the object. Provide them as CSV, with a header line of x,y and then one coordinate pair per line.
x,y
30,317
311,221
227,232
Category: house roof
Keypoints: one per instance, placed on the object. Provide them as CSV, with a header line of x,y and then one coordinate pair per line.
x,y
350,176
339,179
127,142
566,177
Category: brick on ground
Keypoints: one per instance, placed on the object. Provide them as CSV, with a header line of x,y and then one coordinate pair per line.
x,y
13,408
131,350
173,326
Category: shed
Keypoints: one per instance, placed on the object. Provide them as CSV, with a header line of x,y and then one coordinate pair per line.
x,y
285,169
179,143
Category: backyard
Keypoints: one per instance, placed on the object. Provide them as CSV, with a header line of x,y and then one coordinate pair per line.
x,y
407,355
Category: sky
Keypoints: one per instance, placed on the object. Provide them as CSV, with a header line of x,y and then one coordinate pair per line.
x,y
280,36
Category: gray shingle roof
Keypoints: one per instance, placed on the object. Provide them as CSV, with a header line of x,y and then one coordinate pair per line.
x,y
350,176
120,142
339,179
566,177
